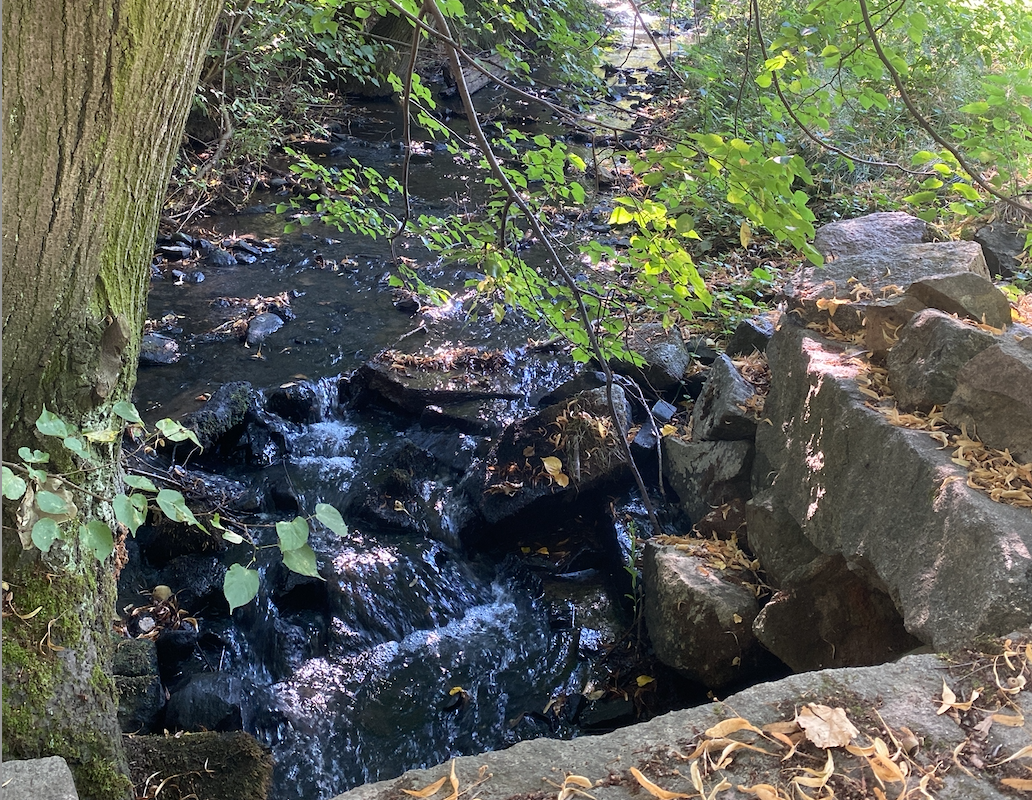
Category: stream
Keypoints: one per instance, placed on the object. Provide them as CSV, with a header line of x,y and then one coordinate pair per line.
x,y
409,650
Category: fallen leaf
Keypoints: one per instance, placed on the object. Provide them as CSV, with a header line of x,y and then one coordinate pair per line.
x,y
764,791
427,791
1022,784
826,726
729,726
653,789
1010,720
644,680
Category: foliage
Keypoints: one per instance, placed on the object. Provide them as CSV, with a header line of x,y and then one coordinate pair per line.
x,y
48,511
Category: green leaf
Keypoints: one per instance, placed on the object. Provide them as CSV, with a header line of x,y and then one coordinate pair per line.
x,y
129,513
44,533
77,446
127,411
52,425
33,456
140,482
293,534
232,538
331,518
50,503
103,436
13,486
980,107
173,505
302,561
175,432
97,537
240,586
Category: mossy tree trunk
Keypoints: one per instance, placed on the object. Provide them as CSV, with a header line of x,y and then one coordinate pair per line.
x,y
95,99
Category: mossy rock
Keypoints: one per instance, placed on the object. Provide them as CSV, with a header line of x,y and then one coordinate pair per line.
x,y
208,766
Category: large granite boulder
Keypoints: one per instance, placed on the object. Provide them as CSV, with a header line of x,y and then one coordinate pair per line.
x,y
705,475
38,778
666,356
870,232
889,500
1002,243
699,619
726,409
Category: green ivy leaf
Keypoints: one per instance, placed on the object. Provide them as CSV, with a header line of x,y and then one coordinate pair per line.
x,y
127,411
44,533
97,537
293,534
240,586
140,482
13,486
50,503
302,561
77,446
52,425
331,518
33,456
129,513
174,432
173,505
232,538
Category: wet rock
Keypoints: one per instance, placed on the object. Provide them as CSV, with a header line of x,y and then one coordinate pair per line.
x,y
579,432
135,658
724,410
956,564
197,583
665,354
826,616
751,335
725,522
931,350
38,778
966,295
156,349
297,401
221,422
841,290
219,257
583,381
870,232
707,474
262,327
141,703
1003,244
208,766
210,701
699,621
174,645
174,251
994,397
663,412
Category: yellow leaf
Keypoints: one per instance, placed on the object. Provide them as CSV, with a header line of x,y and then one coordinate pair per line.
x,y
454,780
1010,720
653,789
101,436
745,234
542,551
645,680
668,430
578,780
729,726
553,466
764,791
1024,752
528,451
737,619
1022,784
457,690
427,791
825,726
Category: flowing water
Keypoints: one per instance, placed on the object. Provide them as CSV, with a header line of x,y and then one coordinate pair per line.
x,y
411,651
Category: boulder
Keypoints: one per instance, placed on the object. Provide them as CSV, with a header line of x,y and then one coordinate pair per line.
x,y
665,354
887,499
222,419
726,409
699,619
903,693
994,397
301,402
706,474
931,350
141,703
210,701
826,616
841,290
262,327
775,538
38,778
751,335
870,232
965,294
1003,244
156,349
883,320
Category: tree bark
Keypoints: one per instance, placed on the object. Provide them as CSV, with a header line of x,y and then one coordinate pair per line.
x,y
95,99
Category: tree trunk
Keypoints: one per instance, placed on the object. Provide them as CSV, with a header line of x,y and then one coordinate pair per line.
x,y
95,99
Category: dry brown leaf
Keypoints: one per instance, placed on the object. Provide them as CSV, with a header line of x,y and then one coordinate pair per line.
x,y
1010,720
1024,752
728,726
653,789
427,791
764,791
826,726
949,700
817,778
1021,784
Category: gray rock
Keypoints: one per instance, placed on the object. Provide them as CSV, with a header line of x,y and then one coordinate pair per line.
x,y
224,413
699,620
1002,243
210,701
141,700
924,363
156,349
870,232
994,397
903,693
262,327
750,334
707,474
665,354
870,277
135,658
956,564
826,616
723,410
884,319
38,779
966,295
775,538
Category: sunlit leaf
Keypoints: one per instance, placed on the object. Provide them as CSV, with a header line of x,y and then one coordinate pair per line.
x,y
825,726
96,536
129,512
127,411
302,561
240,586
331,518
44,533
653,789
51,503
13,486
293,534
173,505
140,482
52,425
